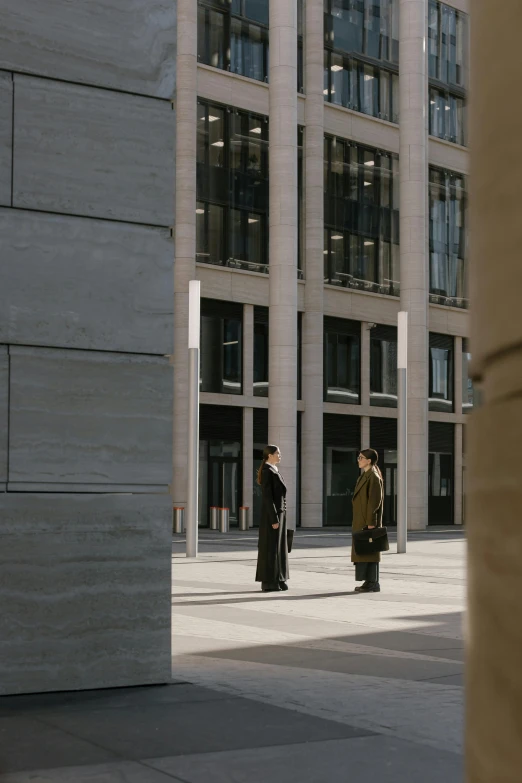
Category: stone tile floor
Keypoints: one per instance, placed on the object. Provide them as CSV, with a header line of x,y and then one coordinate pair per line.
x,y
314,685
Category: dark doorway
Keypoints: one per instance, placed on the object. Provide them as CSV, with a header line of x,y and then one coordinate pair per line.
x,y
441,473
383,438
224,485
341,439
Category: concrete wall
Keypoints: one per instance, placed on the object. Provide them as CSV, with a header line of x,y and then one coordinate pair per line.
x,y
87,137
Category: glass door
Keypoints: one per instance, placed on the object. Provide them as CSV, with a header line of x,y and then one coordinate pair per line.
x,y
225,480
389,474
340,477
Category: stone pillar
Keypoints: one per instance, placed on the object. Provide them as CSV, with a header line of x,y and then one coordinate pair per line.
x,y
248,350
459,485
185,264
248,450
457,386
312,421
248,413
494,503
366,334
365,435
282,414
413,166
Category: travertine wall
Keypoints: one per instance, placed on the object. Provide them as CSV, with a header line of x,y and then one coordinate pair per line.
x,y
87,135
493,509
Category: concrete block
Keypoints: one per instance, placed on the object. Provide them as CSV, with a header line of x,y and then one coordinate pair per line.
x,y
90,152
6,136
4,406
89,418
110,43
75,283
85,585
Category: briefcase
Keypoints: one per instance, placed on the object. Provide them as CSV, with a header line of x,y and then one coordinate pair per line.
x,y
369,542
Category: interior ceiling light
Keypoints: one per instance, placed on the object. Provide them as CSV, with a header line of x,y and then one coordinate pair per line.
x,y
218,143
337,236
368,244
200,211
337,68
212,118
447,108
369,163
325,92
367,77
253,220
255,130
366,184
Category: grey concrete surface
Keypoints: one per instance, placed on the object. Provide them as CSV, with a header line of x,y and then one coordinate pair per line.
x,y
4,398
6,136
115,290
108,43
263,696
84,417
84,590
85,151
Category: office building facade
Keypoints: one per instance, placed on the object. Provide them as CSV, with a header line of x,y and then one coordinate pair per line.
x,y
321,188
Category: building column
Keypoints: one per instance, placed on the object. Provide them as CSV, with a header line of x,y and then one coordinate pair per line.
x,y
185,237
413,167
248,350
312,371
365,434
494,502
282,413
366,334
248,413
457,460
247,459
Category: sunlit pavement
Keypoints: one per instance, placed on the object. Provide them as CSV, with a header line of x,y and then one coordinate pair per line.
x,y
389,663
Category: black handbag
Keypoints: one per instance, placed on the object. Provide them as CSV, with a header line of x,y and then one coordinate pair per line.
x,y
369,542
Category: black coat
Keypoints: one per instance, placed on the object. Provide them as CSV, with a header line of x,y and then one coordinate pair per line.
x,y
272,557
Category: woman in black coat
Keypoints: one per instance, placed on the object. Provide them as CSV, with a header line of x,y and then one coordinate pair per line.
x,y
272,557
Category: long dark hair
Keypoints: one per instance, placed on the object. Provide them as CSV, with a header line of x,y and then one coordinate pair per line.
x,y
267,452
373,456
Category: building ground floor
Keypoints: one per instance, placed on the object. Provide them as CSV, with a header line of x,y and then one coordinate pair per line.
x,y
232,439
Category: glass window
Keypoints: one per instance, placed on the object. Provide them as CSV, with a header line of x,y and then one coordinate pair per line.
x,y
361,217
447,204
342,365
212,47
447,32
232,187
441,374
261,352
361,27
221,348
210,234
383,368
232,40
467,383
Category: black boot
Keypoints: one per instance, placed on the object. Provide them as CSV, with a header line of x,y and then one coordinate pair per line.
x,y
283,586
268,587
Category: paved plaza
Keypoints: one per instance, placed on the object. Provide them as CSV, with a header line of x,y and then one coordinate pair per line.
x,y
316,685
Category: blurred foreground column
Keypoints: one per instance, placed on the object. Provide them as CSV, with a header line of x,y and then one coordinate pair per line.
x,y
494,510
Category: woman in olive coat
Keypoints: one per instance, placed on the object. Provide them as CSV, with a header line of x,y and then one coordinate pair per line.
x,y
367,502
272,557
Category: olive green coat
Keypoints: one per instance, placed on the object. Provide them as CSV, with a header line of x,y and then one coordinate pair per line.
x,y
367,502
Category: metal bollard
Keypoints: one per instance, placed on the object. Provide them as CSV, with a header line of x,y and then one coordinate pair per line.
x,y
178,525
213,517
244,516
224,517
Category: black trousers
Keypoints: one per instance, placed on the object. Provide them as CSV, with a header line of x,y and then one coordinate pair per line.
x,y
369,572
